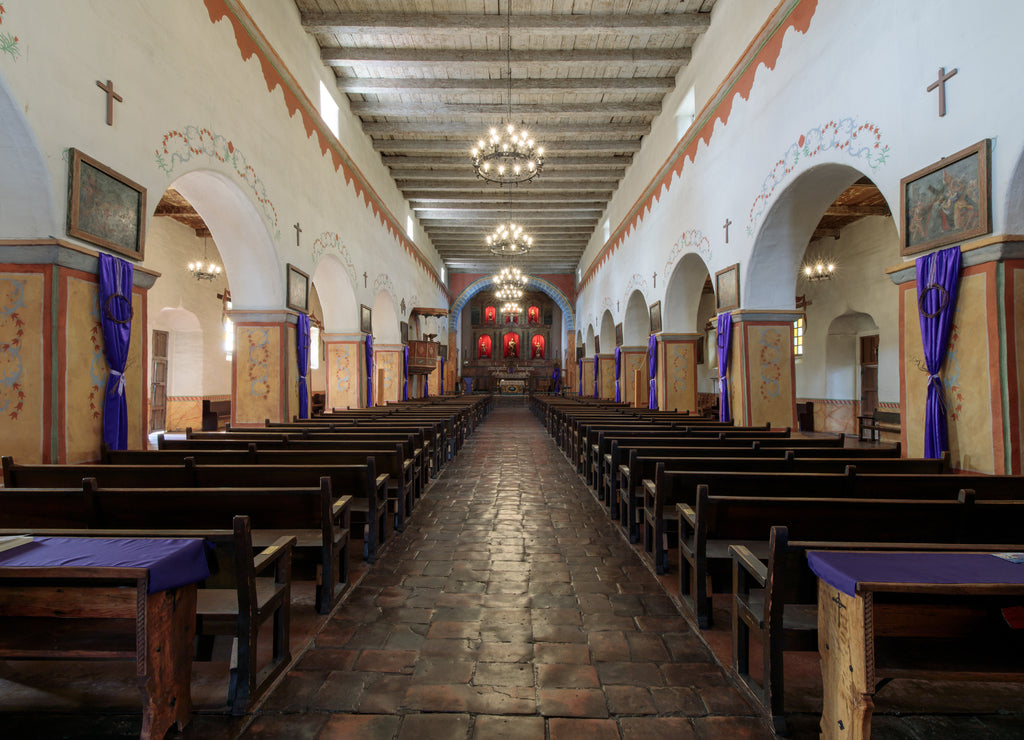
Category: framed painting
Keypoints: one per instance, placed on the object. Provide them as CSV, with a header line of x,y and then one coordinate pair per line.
x,y
365,320
727,288
597,345
105,207
618,335
404,328
655,317
946,202
298,289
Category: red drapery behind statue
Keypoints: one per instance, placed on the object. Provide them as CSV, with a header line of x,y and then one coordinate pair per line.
x,y
533,315
483,348
537,347
511,345
490,315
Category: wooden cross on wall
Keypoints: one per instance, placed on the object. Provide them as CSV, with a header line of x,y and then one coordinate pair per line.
x,y
941,85
298,230
365,276
111,97
726,226
655,280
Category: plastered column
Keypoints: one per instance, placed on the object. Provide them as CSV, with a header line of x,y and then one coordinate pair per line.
x,y
677,371
265,377
761,368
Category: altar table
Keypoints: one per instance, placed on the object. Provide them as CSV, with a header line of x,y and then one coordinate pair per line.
x,y
109,598
925,598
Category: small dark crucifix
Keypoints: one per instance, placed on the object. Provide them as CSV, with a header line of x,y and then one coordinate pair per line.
x,y
616,306
298,230
111,97
365,276
941,85
655,280
726,226
403,307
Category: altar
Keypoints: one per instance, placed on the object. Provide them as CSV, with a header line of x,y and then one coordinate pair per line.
x,y
511,385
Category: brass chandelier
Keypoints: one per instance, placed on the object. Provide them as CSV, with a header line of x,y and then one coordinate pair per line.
x,y
509,284
509,240
508,156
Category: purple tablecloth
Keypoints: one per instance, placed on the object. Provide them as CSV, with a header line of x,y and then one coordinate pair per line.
x,y
171,563
843,570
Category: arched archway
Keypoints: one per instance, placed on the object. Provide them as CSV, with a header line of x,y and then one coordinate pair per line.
x,y
783,237
607,333
636,324
589,347
683,311
186,369
249,254
337,295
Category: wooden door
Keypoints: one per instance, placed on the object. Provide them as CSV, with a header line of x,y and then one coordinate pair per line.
x,y
158,387
868,374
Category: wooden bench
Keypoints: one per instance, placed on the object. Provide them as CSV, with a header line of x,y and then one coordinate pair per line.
x,y
777,603
878,422
370,519
245,593
659,495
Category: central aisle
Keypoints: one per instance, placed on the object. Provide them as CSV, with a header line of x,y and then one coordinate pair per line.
x,y
509,608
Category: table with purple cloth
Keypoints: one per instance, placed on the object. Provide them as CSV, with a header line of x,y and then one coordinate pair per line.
x,y
933,617
109,598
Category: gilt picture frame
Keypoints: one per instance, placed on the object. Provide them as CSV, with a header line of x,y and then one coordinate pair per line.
x,y
727,288
298,289
946,202
105,207
655,311
365,319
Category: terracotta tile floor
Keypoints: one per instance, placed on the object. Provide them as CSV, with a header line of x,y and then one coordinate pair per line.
x,y
509,608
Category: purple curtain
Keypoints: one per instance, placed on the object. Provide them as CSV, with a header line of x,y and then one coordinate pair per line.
x,y
579,375
302,352
652,369
369,370
724,338
405,374
595,375
426,386
556,378
469,385
938,278
116,277
440,380
618,374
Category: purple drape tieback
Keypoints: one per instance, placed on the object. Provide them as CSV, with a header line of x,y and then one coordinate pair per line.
x,y
618,373
938,278
652,370
724,338
115,304
369,370
302,355
405,374
556,377
595,375
579,376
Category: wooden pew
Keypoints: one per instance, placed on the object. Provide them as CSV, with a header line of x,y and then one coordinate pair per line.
x,y
232,468
248,592
777,602
657,506
707,530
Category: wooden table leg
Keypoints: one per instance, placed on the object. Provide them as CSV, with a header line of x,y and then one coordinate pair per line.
x,y
165,638
846,648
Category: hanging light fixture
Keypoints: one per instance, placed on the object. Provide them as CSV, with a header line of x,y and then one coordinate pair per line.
x,y
508,156
509,239
819,270
511,307
204,269
509,283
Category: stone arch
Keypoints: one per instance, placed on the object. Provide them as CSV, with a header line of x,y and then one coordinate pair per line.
x,y
607,332
636,325
783,237
186,366
386,329
249,254
589,349
841,362
680,314
535,283
337,295
27,207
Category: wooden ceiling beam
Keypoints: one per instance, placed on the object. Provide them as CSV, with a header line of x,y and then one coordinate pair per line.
x,y
461,162
454,191
500,210
336,56
430,179
555,201
488,112
825,234
459,24
559,146
165,209
858,210
415,129
431,85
